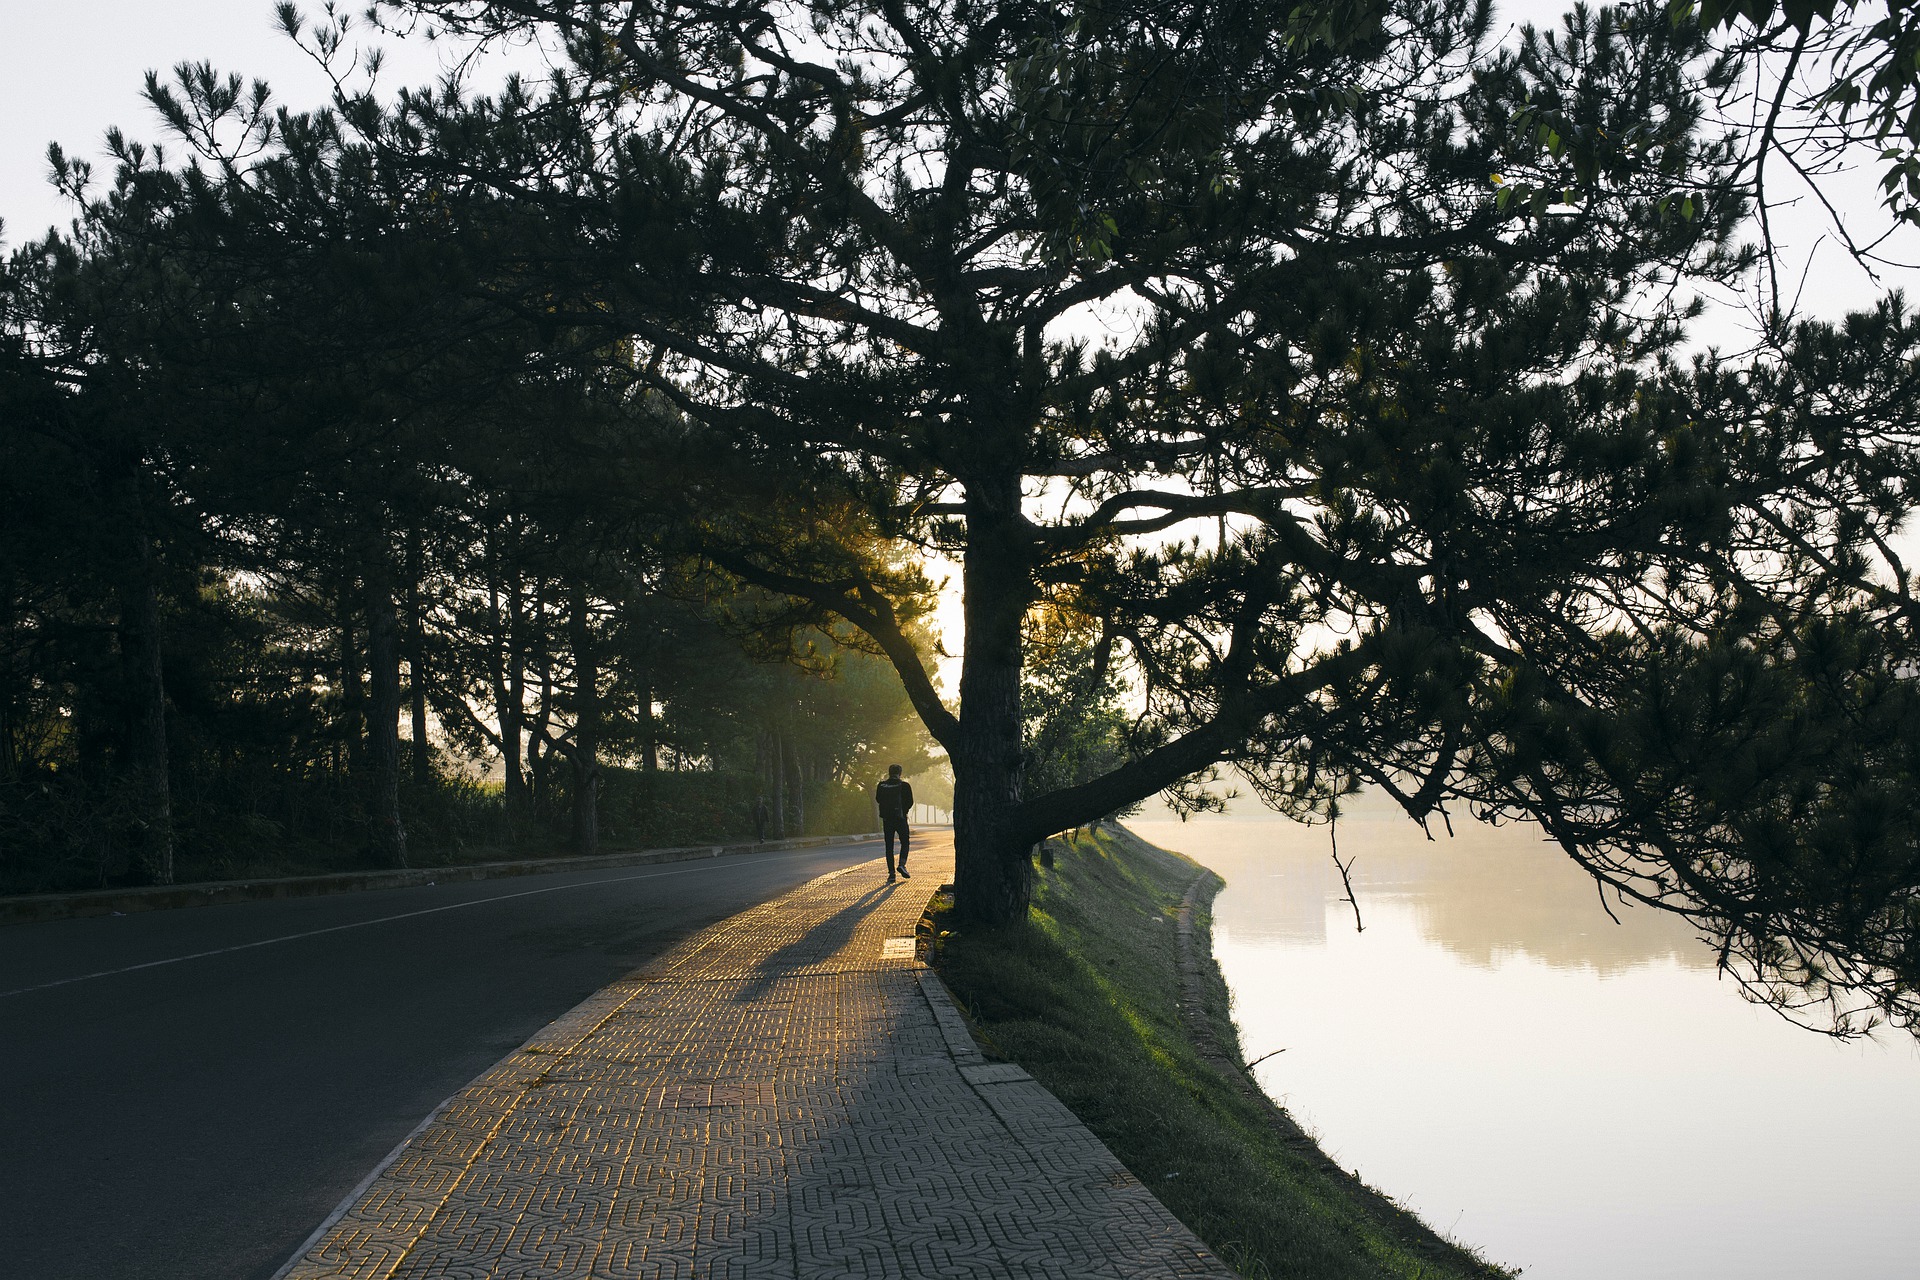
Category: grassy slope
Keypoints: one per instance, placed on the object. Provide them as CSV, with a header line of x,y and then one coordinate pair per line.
x,y
1086,998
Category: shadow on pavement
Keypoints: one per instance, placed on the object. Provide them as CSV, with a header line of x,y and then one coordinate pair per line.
x,y
815,945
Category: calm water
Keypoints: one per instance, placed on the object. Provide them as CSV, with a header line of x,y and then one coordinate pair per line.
x,y
1577,1098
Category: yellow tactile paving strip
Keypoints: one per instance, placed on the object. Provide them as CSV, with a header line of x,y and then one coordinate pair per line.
x,y
781,1096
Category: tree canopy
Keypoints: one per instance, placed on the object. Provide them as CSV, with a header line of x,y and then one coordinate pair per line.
x,y
284,481
1319,372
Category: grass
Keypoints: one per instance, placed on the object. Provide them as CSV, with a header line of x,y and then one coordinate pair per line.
x,y
1086,997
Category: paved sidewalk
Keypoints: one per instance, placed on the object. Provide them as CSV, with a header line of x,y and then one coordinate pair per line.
x,y
787,1094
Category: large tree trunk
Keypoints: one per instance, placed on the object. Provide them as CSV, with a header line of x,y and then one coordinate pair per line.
x,y
777,779
417,661
519,799
389,837
798,794
586,732
508,674
539,737
147,721
993,877
352,719
649,727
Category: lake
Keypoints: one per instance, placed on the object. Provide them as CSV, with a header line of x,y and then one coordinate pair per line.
x,y
1574,1097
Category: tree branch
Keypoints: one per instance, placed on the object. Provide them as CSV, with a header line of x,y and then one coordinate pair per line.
x,y
867,608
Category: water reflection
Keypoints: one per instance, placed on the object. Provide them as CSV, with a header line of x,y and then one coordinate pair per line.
x,y
1484,894
1577,1097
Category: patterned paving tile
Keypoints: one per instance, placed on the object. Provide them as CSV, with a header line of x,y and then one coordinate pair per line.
x,y
788,1095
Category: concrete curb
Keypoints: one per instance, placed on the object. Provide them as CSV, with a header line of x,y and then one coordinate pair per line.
x,y
29,908
353,1197
946,1013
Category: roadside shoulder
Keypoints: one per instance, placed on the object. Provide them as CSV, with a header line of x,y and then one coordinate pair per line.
x,y
28,908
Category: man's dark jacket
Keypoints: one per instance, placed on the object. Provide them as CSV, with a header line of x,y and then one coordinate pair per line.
x,y
895,798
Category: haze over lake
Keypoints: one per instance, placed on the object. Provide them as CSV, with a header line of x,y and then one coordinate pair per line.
x,y
1574,1097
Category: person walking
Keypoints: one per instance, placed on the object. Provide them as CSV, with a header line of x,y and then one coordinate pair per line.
x,y
894,799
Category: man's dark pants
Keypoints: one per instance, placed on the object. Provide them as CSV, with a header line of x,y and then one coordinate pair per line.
x,y
895,827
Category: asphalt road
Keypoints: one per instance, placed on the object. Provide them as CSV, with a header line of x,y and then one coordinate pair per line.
x,y
189,1093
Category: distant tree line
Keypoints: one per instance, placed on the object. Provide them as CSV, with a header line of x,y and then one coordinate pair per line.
x,y
292,535
1302,391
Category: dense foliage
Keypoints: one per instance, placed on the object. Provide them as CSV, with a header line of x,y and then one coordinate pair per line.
x,y
1316,375
275,493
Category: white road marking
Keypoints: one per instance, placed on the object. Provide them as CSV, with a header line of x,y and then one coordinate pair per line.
x,y
404,915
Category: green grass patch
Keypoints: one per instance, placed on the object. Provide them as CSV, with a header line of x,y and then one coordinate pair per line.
x,y
1086,997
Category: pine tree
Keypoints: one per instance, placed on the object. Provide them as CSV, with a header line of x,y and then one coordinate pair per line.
x,y
1325,358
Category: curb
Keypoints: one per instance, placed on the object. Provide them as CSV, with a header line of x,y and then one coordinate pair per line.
x,y
31,908
946,1010
353,1197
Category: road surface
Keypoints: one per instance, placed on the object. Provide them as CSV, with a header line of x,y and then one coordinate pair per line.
x,y
189,1093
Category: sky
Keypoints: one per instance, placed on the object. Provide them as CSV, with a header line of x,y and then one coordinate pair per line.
x,y
72,69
